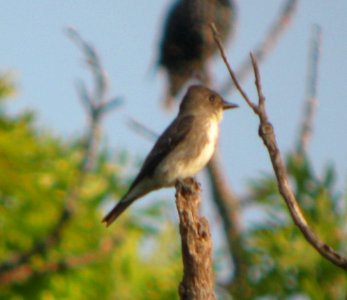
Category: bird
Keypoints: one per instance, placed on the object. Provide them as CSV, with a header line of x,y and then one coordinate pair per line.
x,y
182,150
187,41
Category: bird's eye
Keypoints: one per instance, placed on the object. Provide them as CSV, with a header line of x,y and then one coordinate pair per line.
x,y
212,98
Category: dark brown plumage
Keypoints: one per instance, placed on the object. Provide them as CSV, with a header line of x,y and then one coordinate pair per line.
x,y
187,41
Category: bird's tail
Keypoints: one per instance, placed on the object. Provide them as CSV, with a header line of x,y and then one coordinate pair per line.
x,y
116,211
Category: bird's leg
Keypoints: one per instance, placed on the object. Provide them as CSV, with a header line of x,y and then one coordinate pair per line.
x,y
180,182
189,185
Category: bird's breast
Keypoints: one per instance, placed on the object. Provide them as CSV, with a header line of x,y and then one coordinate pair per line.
x,y
193,153
208,146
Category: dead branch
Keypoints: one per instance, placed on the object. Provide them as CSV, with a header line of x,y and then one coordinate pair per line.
x,y
265,47
225,201
311,90
267,134
198,279
97,105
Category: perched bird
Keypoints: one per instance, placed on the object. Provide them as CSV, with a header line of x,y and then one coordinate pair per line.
x,y
182,150
187,41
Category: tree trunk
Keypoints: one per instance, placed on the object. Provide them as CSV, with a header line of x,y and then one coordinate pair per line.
x,y
198,279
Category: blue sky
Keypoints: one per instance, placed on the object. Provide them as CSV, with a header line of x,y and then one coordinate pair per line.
x,y
126,33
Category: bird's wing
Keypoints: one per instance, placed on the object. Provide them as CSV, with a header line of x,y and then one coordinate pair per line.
x,y
168,141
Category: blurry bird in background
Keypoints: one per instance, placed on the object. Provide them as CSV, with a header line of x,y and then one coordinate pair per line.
x,y
187,42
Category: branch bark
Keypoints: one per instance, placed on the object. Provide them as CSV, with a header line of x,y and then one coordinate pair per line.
x,y
198,279
267,134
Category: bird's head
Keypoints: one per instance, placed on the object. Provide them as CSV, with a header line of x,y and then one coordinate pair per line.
x,y
202,101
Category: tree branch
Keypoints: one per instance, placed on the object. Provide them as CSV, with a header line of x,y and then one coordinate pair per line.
x,y
198,279
267,134
311,90
226,202
142,130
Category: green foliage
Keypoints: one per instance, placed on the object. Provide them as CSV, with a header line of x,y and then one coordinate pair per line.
x,y
7,88
83,259
139,256
282,263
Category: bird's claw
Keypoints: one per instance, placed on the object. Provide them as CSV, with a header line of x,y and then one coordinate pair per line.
x,y
188,185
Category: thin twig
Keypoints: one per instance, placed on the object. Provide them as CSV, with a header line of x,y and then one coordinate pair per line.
x,y
267,134
311,90
94,104
101,82
264,48
142,130
225,200
231,72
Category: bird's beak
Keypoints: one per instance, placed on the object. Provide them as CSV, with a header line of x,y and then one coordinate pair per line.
x,y
229,105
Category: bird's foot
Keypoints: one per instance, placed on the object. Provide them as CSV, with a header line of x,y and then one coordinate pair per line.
x,y
188,185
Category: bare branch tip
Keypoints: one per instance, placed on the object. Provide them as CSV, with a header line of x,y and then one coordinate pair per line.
x,y
111,105
70,31
213,28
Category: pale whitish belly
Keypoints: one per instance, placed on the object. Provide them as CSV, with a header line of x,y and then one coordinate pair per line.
x,y
183,164
193,166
